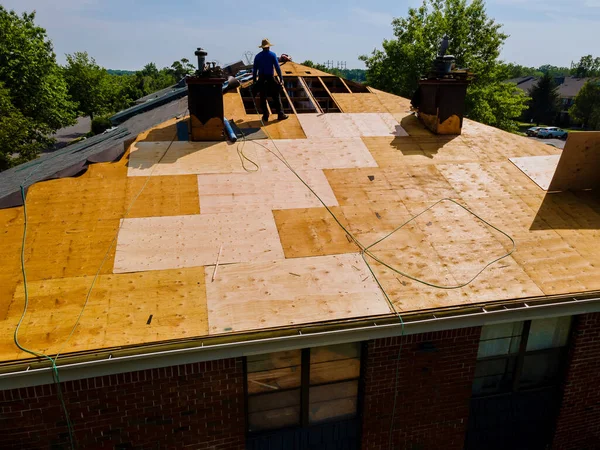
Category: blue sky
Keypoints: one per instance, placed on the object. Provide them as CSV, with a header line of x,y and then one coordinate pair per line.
x,y
126,34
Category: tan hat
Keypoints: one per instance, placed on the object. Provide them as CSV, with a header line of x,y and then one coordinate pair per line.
x,y
265,44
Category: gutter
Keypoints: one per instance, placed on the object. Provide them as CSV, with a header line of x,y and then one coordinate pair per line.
x,y
303,338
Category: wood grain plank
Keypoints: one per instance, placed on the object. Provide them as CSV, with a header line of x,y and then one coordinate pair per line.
x,y
292,291
186,241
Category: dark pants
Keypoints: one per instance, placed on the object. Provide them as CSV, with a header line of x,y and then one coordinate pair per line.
x,y
269,87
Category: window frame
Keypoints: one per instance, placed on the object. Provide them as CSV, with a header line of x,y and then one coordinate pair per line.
x,y
515,385
304,387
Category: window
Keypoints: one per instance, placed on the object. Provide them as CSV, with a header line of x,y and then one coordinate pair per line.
x,y
302,387
520,355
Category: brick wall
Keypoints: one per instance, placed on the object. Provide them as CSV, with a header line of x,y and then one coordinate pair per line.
x,y
578,425
434,388
199,406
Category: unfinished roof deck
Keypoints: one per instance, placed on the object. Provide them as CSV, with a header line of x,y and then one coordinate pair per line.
x,y
154,224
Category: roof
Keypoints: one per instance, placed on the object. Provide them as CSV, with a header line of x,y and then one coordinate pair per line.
x,y
569,88
177,242
73,159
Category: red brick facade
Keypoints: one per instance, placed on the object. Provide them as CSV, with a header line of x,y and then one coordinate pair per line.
x,y
434,389
578,425
198,406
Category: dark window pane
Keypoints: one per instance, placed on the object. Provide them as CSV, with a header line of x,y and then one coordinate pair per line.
x,y
540,369
269,361
334,363
271,411
494,376
333,401
548,333
334,352
273,371
500,339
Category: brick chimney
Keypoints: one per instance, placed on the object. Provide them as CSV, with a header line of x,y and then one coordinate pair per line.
x,y
440,98
442,104
205,101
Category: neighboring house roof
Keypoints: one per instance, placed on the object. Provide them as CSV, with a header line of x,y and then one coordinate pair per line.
x,y
571,87
184,244
567,89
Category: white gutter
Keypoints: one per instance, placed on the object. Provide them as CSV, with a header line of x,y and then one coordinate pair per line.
x,y
130,363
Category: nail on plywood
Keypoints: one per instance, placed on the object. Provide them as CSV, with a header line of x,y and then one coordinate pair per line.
x,y
116,314
157,243
266,295
268,189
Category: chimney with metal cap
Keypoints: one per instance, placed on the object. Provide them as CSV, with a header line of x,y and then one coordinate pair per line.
x,y
440,98
205,100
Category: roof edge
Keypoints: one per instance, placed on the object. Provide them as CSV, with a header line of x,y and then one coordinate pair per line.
x,y
305,337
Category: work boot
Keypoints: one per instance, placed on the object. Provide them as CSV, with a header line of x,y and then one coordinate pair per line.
x,y
265,118
282,116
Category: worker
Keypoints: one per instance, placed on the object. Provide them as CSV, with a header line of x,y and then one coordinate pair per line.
x,y
264,64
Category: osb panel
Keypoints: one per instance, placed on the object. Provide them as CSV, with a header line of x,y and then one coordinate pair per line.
x,y
181,158
539,168
359,103
350,125
312,232
122,310
157,243
270,189
292,291
579,163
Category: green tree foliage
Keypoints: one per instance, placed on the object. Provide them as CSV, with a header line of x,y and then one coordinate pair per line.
x,y
181,68
588,66
89,84
554,71
545,101
586,107
34,99
518,71
476,42
358,75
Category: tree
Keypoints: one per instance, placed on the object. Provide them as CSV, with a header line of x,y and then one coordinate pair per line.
x,y
518,71
586,107
545,101
476,42
89,84
554,71
181,68
588,66
34,92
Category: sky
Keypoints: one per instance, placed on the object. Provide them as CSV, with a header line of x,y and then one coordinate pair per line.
x,y
127,34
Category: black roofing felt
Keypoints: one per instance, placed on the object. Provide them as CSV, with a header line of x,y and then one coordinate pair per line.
x,y
72,160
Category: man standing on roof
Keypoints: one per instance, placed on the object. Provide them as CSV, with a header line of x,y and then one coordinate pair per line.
x,y
264,65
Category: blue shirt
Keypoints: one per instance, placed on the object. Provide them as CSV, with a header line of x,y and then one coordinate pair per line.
x,y
264,63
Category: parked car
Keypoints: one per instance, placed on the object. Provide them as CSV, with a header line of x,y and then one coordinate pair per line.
x,y
533,131
552,132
